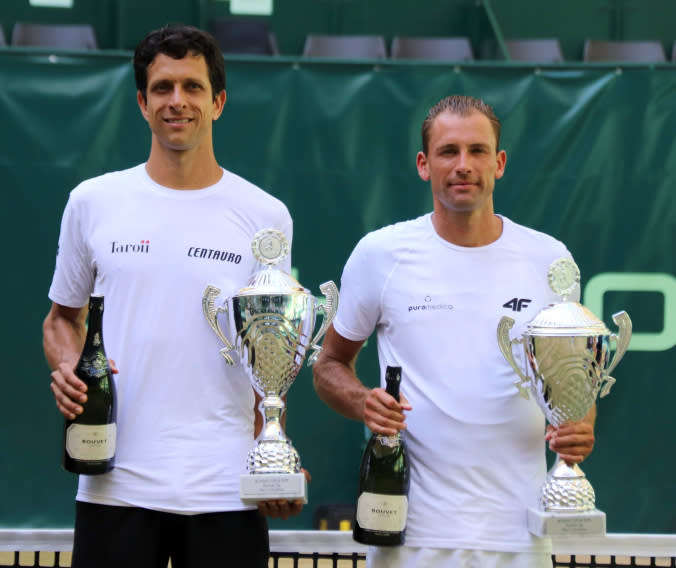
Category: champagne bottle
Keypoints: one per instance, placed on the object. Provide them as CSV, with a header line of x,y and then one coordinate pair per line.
x,y
89,439
384,478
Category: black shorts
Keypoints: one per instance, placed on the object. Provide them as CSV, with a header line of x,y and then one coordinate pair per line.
x,y
131,537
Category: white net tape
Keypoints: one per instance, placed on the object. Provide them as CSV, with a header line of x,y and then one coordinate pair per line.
x,y
628,549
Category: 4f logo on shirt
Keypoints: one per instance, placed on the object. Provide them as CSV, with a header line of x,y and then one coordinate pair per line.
x,y
517,304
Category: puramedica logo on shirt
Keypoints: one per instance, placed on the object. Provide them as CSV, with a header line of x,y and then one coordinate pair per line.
x,y
430,305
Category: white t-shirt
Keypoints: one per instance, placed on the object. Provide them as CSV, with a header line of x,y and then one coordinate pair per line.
x,y
477,447
185,418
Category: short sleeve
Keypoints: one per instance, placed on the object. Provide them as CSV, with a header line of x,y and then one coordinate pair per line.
x,y
74,275
359,304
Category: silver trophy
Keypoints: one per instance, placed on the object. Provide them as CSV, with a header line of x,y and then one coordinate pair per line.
x,y
567,364
272,319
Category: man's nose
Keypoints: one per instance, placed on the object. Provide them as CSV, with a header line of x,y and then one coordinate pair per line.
x,y
177,99
463,163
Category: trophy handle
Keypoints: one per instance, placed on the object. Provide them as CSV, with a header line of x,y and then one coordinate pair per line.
x,y
505,344
211,313
330,291
622,339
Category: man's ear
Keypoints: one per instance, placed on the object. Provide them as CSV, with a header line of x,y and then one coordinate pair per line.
x,y
421,164
502,161
219,103
142,104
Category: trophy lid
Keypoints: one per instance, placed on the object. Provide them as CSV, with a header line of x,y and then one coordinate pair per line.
x,y
566,317
271,281
270,247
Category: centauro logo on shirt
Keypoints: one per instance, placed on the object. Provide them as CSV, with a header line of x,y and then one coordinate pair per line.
x,y
213,254
142,246
430,305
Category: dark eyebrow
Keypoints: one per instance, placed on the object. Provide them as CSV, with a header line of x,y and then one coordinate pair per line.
x,y
447,147
480,146
187,80
474,146
158,82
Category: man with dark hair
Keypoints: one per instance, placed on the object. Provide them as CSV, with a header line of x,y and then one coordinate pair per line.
x,y
435,289
177,42
186,420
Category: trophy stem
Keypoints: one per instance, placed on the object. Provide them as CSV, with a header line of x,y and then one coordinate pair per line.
x,y
272,408
273,452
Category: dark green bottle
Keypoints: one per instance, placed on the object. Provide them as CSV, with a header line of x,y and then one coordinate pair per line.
x,y
89,439
384,478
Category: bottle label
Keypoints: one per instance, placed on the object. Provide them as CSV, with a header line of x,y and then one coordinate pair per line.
x,y
379,512
91,442
95,365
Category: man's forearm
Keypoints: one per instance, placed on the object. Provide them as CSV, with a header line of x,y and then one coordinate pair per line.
x,y
63,338
338,386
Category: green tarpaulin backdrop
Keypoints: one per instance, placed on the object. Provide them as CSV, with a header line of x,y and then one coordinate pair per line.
x,y
590,155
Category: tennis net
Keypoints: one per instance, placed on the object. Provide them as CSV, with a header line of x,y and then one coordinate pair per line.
x,y
336,549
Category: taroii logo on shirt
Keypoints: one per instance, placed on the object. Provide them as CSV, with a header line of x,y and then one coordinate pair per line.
x,y
429,305
214,254
142,246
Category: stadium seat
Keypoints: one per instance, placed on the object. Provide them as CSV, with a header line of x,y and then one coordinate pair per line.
x,y
3,40
69,36
632,51
244,35
544,50
345,46
432,48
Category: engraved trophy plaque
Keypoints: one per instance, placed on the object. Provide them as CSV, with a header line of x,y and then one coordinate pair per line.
x,y
272,318
567,364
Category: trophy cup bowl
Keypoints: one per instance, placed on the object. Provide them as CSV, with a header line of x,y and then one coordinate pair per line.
x,y
567,364
273,318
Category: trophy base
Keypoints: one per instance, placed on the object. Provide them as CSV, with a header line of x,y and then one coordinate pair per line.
x,y
588,523
270,486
